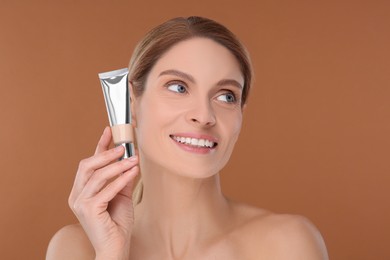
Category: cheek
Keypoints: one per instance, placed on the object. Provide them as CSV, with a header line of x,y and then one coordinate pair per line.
x,y
230,127
145,116
236,124
232,122
233,129
152,118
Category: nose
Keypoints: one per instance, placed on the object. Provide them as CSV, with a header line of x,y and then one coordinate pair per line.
x,y
201,114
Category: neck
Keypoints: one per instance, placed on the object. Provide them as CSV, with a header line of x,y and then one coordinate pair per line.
x,y
178,212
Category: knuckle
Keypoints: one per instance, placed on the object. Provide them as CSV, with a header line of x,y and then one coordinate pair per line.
x,y
76,207
81,208
83,165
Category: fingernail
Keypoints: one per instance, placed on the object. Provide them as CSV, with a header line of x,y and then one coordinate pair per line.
x,y
118,148
133,158
105,130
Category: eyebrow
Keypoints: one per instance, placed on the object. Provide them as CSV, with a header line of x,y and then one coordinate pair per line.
x,y
231,82
188,77
179,74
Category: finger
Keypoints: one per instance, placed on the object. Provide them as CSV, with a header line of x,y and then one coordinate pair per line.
x,y
101,160
88,166
104,141
100,178
112,189
121,206
127,191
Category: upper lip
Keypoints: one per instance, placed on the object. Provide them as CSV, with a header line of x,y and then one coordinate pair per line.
x,y
197,136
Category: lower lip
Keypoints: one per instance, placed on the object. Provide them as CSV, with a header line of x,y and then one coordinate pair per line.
x,y
193,149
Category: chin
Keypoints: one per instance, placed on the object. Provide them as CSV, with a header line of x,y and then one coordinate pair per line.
x,y
196,172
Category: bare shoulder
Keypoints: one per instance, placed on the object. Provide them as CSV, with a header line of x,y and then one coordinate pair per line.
x,y
70,242
277,236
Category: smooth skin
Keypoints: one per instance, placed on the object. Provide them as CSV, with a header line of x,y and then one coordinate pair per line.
x,y
193,89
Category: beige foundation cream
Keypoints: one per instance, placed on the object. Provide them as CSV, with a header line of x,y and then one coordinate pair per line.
x,y
117,97
122,134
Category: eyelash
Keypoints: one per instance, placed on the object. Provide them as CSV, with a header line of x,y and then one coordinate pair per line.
x,y
228,92
171,83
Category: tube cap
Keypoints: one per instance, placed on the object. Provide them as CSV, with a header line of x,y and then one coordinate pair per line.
x,y
129,150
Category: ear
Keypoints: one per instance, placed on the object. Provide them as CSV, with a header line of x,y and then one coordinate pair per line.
x,y
132,105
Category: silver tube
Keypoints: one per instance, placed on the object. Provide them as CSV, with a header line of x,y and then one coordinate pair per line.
x,y
117,97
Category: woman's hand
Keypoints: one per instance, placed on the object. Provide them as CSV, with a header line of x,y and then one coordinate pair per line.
x,y
101,198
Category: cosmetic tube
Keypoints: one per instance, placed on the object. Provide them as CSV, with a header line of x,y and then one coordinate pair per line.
x,y
117,96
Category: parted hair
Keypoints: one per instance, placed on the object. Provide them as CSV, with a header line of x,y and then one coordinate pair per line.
x,y
163,37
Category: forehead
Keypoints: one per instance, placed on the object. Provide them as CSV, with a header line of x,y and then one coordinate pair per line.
x,y
204,59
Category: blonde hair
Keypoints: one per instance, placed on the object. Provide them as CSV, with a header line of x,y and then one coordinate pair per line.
x,y
163,37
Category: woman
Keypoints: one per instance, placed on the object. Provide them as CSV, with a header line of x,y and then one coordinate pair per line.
x,y
189,79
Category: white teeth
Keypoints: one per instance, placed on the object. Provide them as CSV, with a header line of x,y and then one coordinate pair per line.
x,y
194,141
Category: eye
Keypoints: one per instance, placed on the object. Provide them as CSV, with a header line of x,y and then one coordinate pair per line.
x,y
227,97
177,87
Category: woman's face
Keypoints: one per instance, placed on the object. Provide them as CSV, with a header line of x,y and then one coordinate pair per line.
x,y
189,116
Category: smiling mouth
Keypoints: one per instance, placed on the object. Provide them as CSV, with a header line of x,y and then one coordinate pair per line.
x,y
194,142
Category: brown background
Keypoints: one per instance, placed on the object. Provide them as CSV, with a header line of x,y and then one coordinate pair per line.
x,y
316,133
